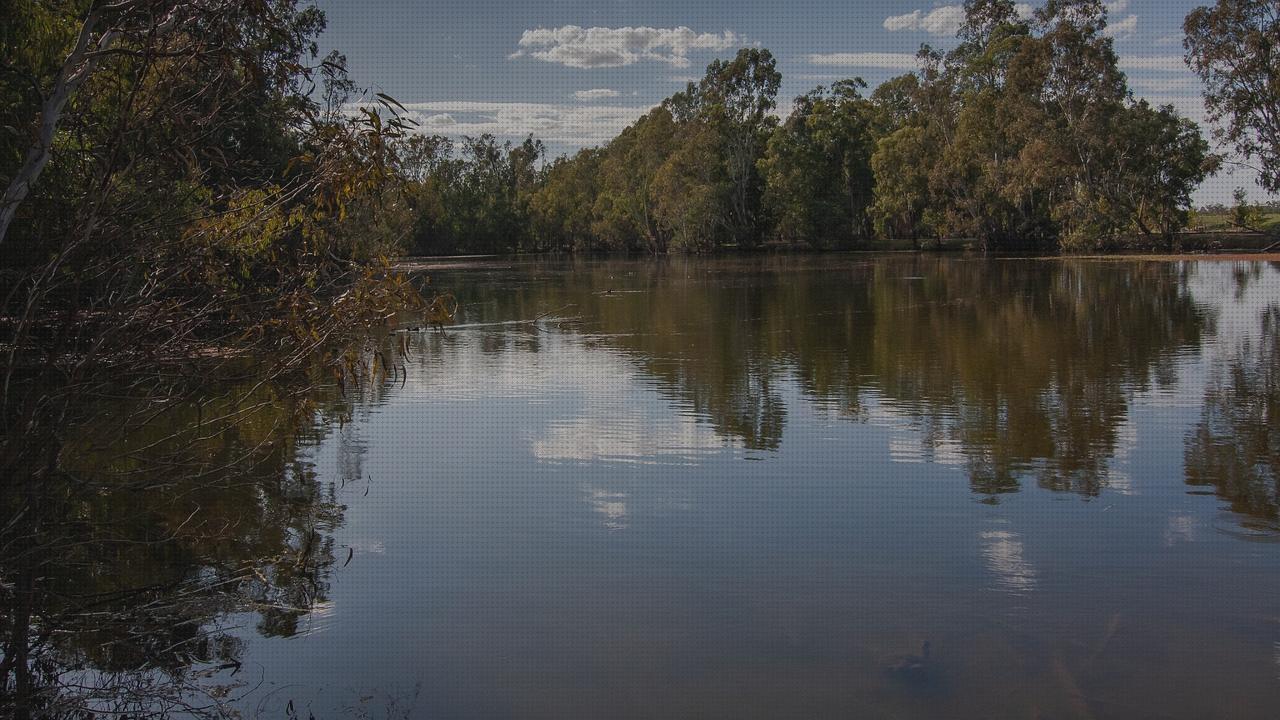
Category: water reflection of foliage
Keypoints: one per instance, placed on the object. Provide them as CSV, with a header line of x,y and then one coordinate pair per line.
x,y
160,525
1235,448
1027,366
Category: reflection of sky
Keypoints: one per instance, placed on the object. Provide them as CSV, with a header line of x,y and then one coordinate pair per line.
x,y
612,506
600,434
1182,529
1005,558
1237,314
547,526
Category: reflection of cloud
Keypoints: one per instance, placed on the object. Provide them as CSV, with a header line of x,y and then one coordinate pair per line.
x,y
596,436
612,505
1003,552
949,452
906,449
318,618
1118,480
371,547
908,443
1181,528
911,448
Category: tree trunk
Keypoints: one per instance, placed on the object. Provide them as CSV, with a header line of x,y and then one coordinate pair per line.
x,y
78,65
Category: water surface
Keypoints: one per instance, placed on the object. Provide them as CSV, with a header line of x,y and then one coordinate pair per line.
x,y
756,487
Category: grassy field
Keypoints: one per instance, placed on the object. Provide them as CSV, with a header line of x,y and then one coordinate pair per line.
x,y
1213,222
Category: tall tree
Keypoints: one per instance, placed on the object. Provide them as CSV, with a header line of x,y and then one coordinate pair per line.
x,y
734,99
1234,46
817,168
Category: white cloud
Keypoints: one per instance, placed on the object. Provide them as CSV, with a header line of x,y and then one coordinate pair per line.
x,y
910,21
1117,6
568,123
601,47
885,61
1123,28
437,121
943,21
1006,559
597,94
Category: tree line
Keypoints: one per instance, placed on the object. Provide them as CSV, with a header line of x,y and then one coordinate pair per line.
x,y
1025,136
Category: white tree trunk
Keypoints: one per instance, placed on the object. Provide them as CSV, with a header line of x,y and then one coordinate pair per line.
x,y
78,65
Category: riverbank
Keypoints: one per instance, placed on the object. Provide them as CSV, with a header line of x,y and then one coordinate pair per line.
x,y
1230,253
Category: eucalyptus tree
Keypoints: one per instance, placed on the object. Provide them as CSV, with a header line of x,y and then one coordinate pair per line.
x,y
625,212
733,100
1026,135
1156,160
1234,46
909,141
560,207
817,168
471,196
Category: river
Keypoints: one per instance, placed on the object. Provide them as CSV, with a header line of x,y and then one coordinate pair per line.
x,y
781,486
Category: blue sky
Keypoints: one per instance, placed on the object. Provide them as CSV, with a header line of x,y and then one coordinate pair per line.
x,y
575,73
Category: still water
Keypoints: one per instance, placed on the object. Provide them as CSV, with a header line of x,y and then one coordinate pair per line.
x,y
799,487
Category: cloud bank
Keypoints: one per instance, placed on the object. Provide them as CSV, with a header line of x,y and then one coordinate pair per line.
x,y
570,124
601,47
943,21
879,60
597,94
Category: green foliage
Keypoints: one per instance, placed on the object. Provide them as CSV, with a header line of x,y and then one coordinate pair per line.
x,y
817,168
1245,215
1234,46
199,194
685,177
470,200
1025,136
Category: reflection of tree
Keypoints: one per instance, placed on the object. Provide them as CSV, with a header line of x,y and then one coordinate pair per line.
x,y
1235,449
1026,365
155,524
